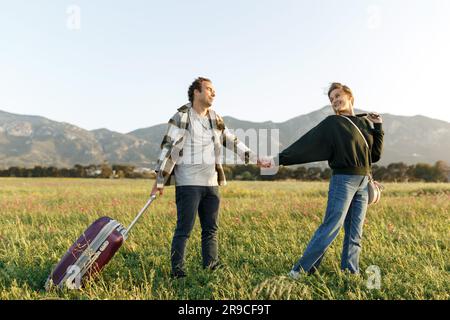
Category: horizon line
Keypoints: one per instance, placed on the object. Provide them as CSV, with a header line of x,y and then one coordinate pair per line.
x,y
163,123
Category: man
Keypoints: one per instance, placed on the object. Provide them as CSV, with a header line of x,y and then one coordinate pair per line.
x,y
191,151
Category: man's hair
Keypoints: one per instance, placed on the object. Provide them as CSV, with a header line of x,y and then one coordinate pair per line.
x,y
197,84
347,90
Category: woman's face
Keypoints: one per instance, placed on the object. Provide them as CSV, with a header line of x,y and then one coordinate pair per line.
x,y
340,101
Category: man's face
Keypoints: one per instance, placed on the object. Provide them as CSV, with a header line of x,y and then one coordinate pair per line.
x,y
206,96
340,101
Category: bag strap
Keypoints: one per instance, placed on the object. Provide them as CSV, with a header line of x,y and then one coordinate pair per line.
x,y
365,141
367,145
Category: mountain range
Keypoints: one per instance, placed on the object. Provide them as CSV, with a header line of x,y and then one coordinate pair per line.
x,y
27,141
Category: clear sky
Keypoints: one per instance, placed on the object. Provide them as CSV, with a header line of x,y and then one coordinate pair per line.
x,y
125,65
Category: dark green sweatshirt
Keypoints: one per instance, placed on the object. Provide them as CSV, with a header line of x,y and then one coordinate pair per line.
x,y
335,139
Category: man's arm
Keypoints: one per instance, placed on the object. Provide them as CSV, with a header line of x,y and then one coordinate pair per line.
x,y
231,142
165,162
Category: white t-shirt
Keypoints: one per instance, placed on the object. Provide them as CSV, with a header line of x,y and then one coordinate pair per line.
x,y
197,165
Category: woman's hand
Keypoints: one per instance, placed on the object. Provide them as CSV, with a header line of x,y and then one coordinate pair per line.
x,y
374,117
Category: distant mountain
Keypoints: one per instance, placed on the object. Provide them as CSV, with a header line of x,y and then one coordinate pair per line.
x,y
33,140
118,148
407,139
30,140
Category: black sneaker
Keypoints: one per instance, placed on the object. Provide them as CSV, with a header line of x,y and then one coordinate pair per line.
x,y
178,275
215,266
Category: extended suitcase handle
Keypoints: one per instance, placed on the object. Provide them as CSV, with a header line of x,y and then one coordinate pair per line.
x,y
125,234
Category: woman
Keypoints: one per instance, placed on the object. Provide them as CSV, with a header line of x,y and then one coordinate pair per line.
x,y
335,139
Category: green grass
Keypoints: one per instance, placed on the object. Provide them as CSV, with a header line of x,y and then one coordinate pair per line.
x,y
264,228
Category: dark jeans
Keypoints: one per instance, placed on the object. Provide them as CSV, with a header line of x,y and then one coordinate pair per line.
x,y
191,199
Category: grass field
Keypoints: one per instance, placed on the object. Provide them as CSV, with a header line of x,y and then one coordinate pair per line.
x,y
264,228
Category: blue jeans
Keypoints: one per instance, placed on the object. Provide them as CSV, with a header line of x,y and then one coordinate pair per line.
x,y
190,200
347,206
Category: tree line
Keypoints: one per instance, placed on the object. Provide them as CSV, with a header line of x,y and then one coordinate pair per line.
x,y
78,171
394,172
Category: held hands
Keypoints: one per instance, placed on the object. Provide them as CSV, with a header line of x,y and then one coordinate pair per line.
x,y
265,162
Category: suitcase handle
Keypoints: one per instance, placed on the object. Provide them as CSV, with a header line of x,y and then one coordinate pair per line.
x,y
125,234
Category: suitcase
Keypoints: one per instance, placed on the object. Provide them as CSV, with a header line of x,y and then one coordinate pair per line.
x,y
91,252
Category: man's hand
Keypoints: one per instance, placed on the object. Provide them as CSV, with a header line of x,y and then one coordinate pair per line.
x,y
156,190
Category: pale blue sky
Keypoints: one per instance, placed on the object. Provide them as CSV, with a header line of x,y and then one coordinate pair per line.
x,y
131,62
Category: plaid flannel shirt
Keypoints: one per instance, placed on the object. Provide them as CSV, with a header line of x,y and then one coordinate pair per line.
x,y
173,141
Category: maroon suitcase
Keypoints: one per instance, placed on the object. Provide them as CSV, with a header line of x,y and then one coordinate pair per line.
x,y
91,252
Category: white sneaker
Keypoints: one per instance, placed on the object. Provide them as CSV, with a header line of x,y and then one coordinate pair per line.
x,y
293,274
